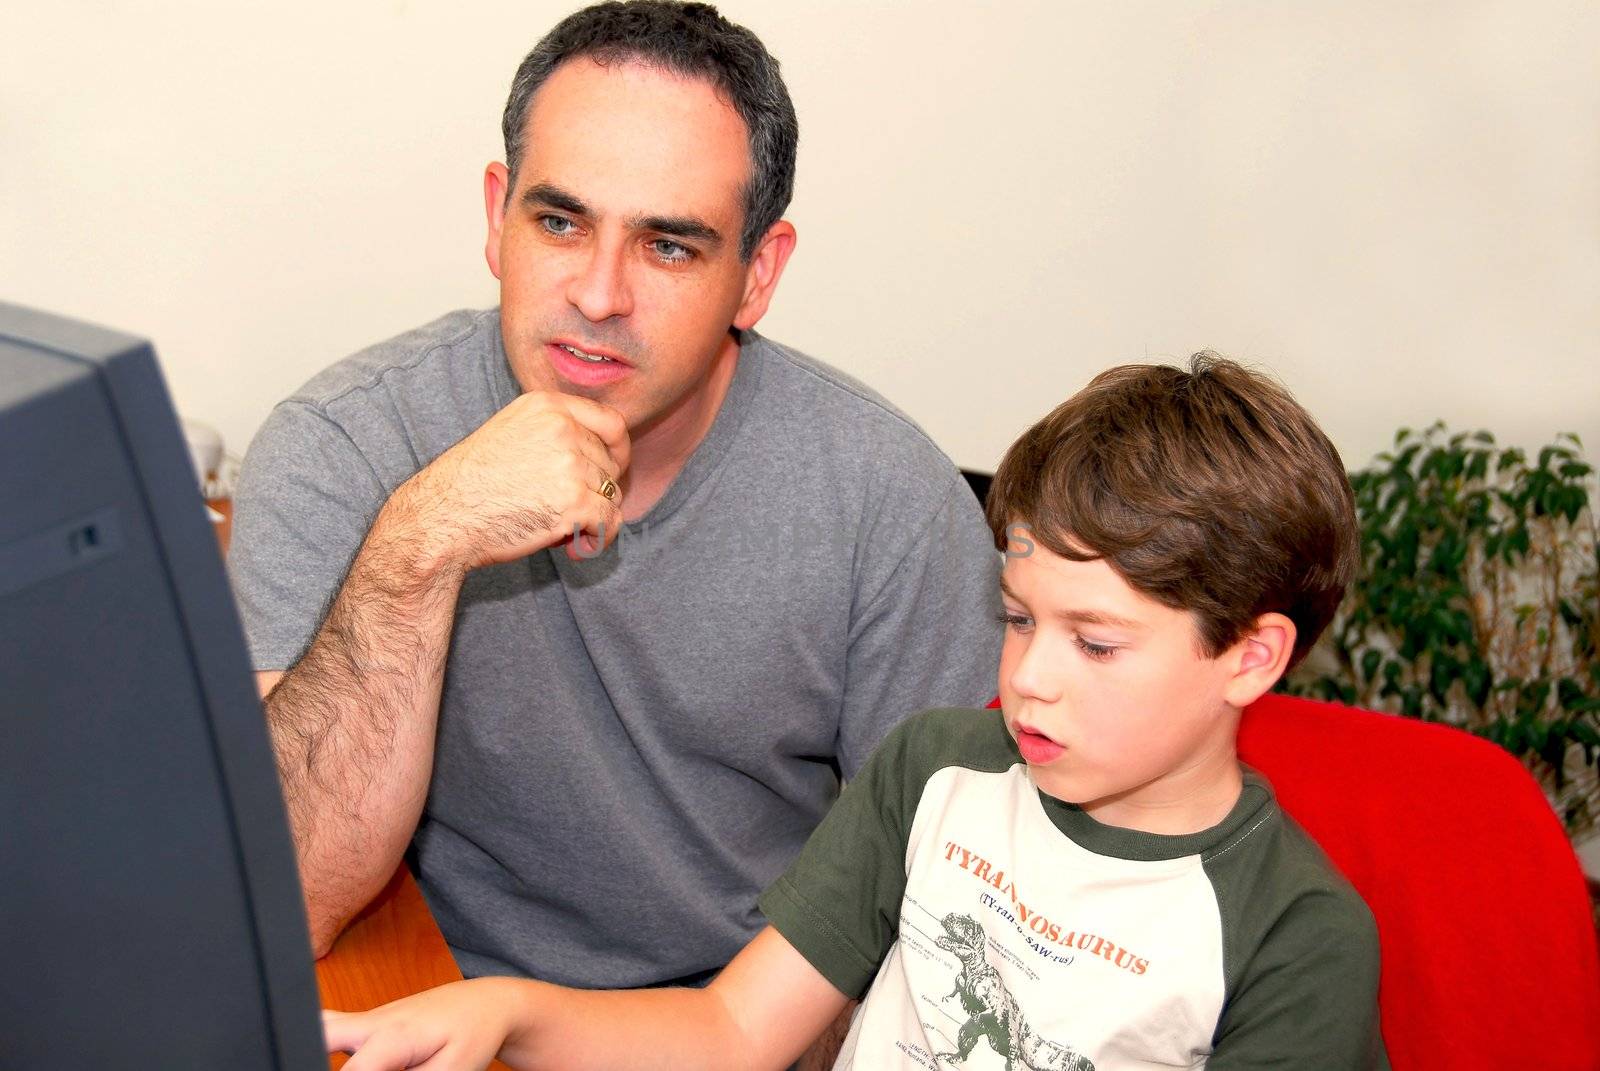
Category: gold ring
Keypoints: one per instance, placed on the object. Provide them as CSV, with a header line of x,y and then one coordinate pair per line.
x,y
608,489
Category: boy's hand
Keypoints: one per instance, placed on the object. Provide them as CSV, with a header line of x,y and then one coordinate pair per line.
x,y
760,1012
456,1027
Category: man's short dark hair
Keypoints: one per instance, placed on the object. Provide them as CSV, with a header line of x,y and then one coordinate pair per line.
x,y
692,41
1209,490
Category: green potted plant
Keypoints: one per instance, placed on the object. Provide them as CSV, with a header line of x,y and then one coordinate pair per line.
x,y
1479,603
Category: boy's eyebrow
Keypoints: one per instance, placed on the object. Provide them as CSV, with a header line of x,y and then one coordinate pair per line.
x,y
1082,617
546,195
1096,617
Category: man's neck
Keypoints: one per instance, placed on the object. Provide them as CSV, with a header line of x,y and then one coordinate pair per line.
x,y
660,451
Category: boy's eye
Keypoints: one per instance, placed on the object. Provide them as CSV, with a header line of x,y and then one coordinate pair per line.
x,y
559,226
1020,622
1097,651
671,252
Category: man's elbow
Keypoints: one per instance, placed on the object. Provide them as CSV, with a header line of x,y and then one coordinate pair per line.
x,y
322,944
325,928
322,939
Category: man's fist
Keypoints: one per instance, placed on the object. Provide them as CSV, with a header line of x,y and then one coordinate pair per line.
x,y
532,476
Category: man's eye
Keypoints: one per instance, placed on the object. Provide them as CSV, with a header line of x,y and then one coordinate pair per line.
x,y
670,251
559,226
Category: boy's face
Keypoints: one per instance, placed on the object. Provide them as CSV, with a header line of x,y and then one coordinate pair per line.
x,y
1110,699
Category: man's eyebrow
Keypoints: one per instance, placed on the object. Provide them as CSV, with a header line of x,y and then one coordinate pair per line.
x,y
691,227
545,195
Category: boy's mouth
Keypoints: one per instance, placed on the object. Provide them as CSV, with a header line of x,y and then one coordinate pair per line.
x,y
1037,749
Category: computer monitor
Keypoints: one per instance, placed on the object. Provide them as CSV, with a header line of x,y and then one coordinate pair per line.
x,y
150,911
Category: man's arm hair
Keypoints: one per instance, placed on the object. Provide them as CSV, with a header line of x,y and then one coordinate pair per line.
x,y
353,722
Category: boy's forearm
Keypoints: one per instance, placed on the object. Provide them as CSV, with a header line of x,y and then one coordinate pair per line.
x,y
644,1029
760,1013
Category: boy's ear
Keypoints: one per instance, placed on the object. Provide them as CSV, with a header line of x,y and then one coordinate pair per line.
x,y
1259,659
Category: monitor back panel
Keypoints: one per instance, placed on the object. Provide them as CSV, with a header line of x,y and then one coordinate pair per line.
x,y
131,923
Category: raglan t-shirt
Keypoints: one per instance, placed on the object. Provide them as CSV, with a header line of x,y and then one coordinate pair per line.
x,y
993,926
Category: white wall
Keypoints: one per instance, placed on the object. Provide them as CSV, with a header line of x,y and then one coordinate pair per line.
x,y
1396,207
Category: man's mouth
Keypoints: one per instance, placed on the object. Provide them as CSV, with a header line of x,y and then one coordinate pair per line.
x,y
585,355
586,369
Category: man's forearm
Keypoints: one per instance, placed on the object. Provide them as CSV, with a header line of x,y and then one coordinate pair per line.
x,y
353,721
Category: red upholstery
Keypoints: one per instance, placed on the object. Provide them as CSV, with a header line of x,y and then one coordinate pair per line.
x,y
1488,943
1487,939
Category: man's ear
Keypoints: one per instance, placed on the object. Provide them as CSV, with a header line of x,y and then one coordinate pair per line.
x,y
1259,659
762,274
496,184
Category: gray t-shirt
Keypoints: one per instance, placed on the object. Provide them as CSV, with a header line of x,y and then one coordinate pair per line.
x,y
631,747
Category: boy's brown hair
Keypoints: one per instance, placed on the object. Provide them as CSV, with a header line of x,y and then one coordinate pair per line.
x,y
1209,490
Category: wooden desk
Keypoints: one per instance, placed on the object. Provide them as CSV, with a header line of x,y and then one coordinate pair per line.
x,y
391,950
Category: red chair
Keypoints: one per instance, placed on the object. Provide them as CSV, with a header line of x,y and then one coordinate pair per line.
x,y
1488,943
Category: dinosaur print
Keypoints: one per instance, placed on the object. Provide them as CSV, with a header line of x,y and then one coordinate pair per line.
x,y
992,1012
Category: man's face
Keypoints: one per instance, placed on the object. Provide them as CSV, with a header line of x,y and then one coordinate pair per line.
x,y
1106,691
621,241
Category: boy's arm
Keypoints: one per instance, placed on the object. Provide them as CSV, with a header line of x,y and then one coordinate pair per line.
x,y
760,1012
1310,998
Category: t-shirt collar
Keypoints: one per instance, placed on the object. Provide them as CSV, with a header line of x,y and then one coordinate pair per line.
x,y
1254,800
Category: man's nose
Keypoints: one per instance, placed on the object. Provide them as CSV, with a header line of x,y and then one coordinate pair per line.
x,y
600,288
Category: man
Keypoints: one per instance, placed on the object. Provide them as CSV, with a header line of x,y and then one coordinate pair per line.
x,y
587,602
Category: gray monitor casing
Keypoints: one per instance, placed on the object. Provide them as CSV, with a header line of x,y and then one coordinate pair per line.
x,y
150,911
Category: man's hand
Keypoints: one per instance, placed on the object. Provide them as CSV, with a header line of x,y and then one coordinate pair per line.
x,y
530,477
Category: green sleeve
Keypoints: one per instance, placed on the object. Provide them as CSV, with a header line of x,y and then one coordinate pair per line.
x,y
1308,998
839,903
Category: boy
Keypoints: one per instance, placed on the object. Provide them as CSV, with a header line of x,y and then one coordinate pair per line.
x,y
1086,880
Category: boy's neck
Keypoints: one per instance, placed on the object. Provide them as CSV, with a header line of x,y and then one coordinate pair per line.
x,y
1187,800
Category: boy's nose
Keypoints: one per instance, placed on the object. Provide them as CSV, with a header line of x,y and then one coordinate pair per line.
x,y
1035,675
